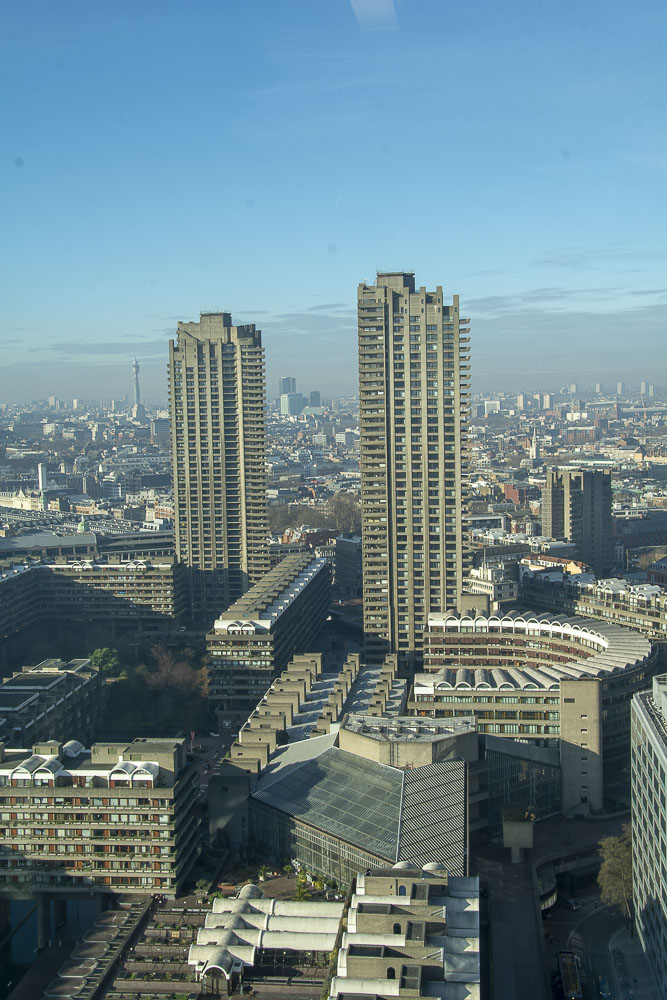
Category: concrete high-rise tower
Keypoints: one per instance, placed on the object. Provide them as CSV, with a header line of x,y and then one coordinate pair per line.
x,y
413,397
576,506
218,443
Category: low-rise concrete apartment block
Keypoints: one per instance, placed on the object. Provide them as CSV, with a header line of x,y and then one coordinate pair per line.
x,y
411,933
50,700
641,606
149,594
19,603
115,818
564,682
254,639
649,825
142,594
408,932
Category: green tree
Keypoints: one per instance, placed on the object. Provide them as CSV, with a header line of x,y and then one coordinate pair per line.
x,y
301,893
615,875
106,660
201,887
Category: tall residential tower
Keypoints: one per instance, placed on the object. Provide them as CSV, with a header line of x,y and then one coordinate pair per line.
x,y
218,443
413,398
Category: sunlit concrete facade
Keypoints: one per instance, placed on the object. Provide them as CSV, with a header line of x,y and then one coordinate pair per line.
x,y
555,681
411,932
116,818
254,639
413,400
49,701
218,444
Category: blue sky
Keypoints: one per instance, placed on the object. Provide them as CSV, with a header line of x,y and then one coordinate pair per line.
x,y
159,159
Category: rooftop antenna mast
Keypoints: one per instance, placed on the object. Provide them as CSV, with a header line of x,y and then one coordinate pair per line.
x,y
135,376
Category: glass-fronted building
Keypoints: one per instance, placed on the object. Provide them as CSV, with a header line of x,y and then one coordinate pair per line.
x,y
649,825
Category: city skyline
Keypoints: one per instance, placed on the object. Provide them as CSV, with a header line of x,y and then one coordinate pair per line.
x,y
538,180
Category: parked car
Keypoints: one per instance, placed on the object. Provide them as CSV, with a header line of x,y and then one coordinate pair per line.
x,y
603,987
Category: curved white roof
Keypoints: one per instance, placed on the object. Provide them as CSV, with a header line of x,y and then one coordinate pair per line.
x,y
235,928
606,648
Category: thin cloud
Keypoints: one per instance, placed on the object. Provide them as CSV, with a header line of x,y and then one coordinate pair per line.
x,y
552,299
74,350
375,15
583,258
337,306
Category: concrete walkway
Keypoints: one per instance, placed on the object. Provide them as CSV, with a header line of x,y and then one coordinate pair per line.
x,y
633,980
40,974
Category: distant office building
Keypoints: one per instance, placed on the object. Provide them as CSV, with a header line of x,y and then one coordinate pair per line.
x,y
160,430
501,591
620,388
547,401
521,402
643,388
218,443
599,387
649,823
41,477
576,506
346,438
413,397
286,385
117,818
491,406
348,567
291,404
111,488
573,388
254,639
315,398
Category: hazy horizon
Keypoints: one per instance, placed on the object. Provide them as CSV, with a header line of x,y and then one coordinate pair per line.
x,y
162,161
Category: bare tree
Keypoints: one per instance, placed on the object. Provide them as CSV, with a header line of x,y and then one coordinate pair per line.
x,y
615,875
